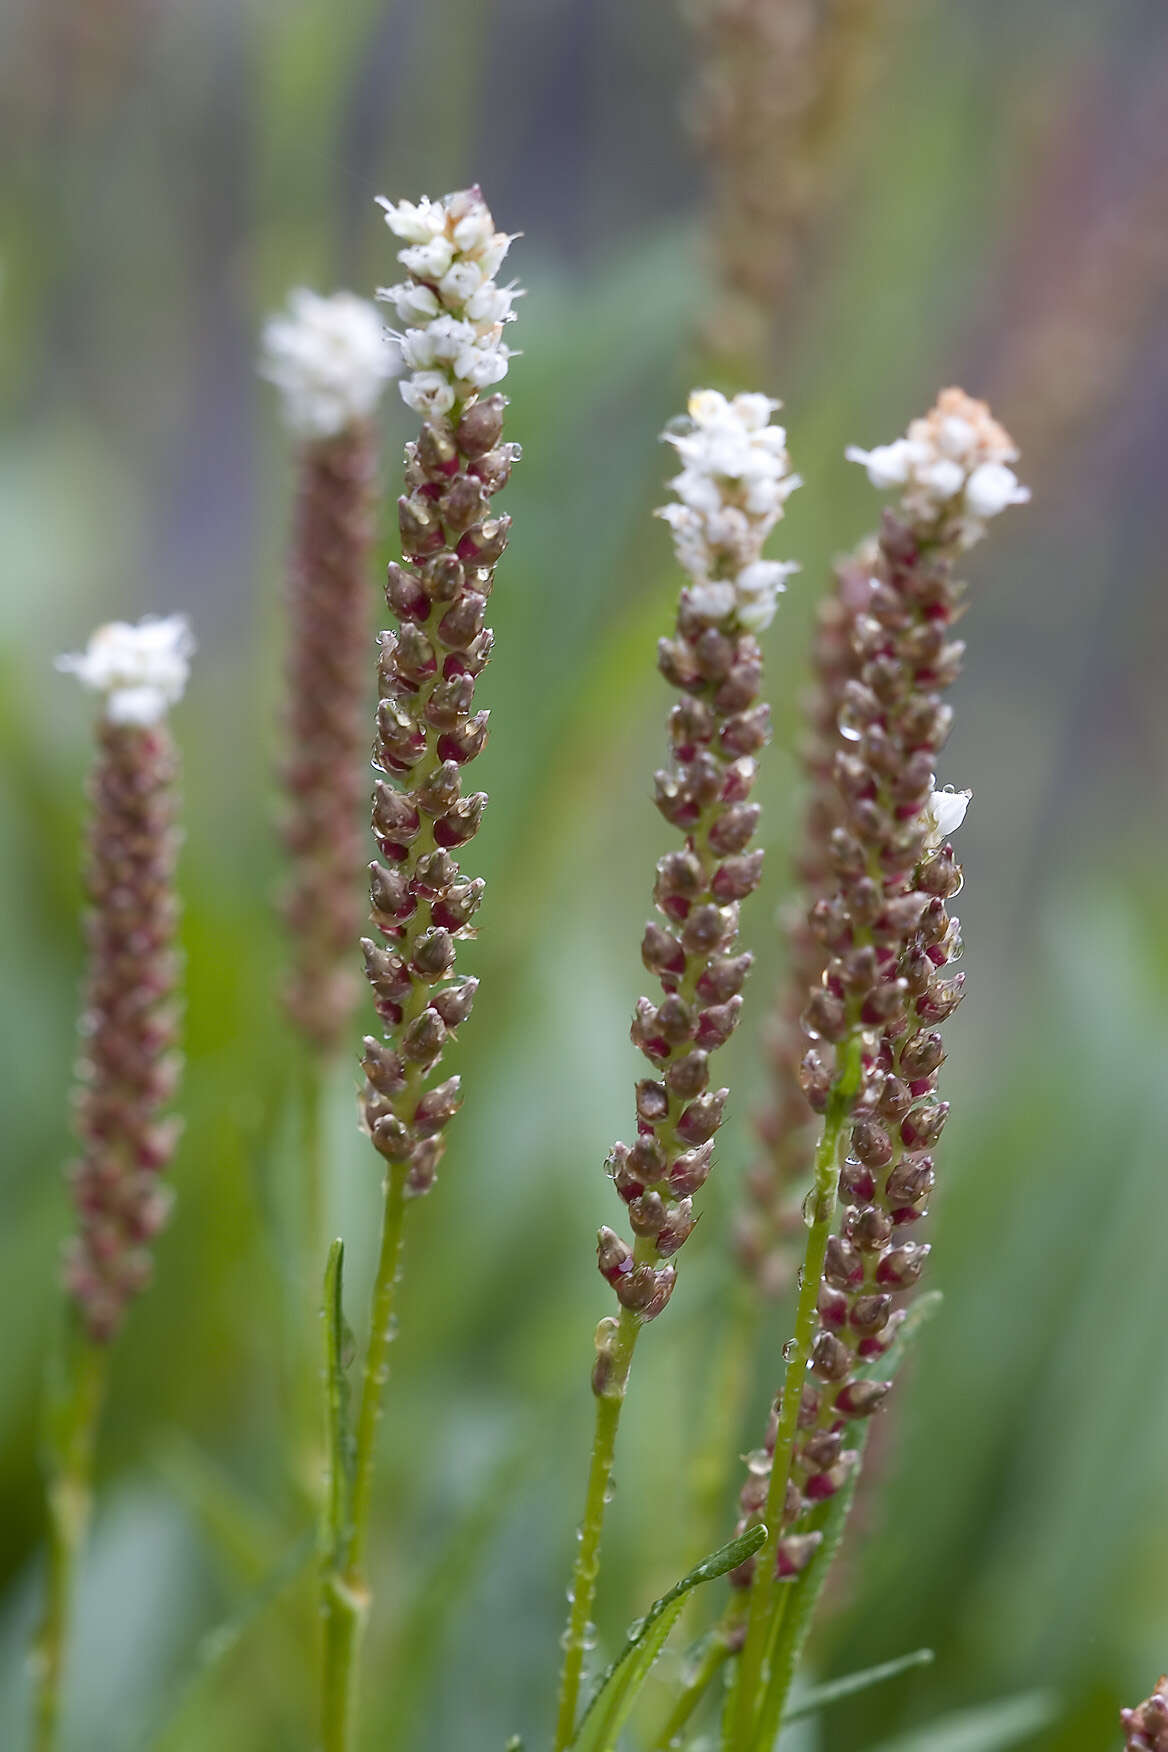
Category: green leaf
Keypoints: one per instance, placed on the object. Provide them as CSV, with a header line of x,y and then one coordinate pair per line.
x,y
338,1355
821,1696
989,1728
831,1520
613,1700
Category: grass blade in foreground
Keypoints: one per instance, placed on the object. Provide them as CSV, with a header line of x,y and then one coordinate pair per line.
x,y
617,1692
835,1690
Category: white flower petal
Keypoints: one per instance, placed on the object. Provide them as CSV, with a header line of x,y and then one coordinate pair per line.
x,y
992,487
757,616
887,464
944,813
713,599
414,224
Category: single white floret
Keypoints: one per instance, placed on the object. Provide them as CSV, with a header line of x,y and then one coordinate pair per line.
x,y
992,487
944,813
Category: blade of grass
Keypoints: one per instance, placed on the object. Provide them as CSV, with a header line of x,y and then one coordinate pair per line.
x,y
613,1700
835,1690
338,1354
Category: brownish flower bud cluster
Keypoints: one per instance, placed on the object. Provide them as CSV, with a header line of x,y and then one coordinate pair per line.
x,y
888,939
731,490
427,731
717,728
1146,1726
330,617
770,1224
129,1067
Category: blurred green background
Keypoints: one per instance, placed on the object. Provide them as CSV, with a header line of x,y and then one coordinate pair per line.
x,y
170,170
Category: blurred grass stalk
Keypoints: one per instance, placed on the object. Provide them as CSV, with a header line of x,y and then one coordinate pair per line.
x,y
779,85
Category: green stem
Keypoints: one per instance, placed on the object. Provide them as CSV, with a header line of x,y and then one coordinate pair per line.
x,y
304,1407
587,1566
765,1611
377,1361
74,1420
314,1079
346,1594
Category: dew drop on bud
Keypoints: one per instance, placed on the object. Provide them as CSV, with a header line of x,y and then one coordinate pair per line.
x,y
848,727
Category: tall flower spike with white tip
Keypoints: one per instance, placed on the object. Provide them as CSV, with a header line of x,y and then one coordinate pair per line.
x,y
734,482
129,1069
452,311
330,358
428,731
953,466
873,1015
127,1074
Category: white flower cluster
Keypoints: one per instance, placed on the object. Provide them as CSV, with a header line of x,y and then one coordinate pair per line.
x,y
141,669
944,813
735,480
453,313
330,359
954,461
